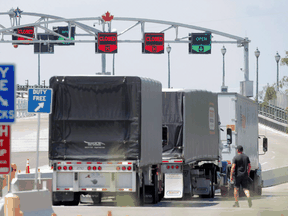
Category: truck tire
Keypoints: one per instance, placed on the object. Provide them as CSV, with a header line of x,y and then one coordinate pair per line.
x,y
75,202
155,196
56,203
212,192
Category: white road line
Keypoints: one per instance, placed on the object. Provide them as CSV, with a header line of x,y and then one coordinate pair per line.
x,y
263,163
273,152
273,157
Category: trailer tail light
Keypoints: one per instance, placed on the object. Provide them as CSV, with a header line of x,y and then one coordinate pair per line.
x,y
65,168
165,161
123,168
178,161
129,168
89,167
79,162
59,167
129,162
177,167
70,168
119,163
99,162
172,167
99,168
89,162
168,167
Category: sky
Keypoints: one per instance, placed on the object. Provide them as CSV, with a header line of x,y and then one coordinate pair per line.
x,y
262,21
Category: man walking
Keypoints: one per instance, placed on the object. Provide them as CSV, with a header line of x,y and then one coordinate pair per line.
x,y
241,167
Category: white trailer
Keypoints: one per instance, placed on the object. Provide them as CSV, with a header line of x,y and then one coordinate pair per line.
x,y
239,126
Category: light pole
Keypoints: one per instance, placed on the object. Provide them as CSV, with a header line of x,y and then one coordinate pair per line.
x,y
277,58
168,48
257,54
223,89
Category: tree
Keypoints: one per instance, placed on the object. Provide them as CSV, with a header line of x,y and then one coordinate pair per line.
x,y
284,61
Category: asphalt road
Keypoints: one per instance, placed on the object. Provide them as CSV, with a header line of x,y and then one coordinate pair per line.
x,y
273,202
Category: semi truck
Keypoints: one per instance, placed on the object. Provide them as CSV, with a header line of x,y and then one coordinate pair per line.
x,y
105,139
191,158
239,126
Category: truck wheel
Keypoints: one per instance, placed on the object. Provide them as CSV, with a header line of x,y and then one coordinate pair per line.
x,y
212,193
259,190
54,202
155,197
75,202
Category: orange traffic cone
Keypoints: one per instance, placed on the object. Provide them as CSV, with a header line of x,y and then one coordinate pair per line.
x,y
27,166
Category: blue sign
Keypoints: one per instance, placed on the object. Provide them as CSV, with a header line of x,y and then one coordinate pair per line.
x,y
39,100
7,94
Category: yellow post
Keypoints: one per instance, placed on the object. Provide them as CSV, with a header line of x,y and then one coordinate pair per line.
x,y
12,205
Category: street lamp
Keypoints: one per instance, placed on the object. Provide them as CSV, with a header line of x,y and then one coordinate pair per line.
x,y
223,88
277,58
257,54
168,48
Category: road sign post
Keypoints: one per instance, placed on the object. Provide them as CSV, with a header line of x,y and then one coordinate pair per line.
x,y
7,94
39,101
4,149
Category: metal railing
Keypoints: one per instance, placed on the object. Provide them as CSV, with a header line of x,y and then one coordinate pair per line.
x,y
271,111
22,108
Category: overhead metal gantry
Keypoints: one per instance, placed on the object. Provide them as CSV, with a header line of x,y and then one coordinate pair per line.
x,y
44,24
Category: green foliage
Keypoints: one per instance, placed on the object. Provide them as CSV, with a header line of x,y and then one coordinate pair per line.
x,y
284,61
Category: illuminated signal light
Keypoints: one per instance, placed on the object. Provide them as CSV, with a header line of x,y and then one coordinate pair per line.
x,y
70,168
177,167
165,161
117,168
99,168
94,168
129,168
59,167
168,167
129,162
89,167
59,162
65,168
172,167
123,168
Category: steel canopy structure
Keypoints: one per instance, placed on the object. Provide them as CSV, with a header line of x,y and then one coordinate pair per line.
x,y
44,23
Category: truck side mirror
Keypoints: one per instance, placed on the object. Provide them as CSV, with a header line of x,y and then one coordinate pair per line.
x,y
265,144
229,136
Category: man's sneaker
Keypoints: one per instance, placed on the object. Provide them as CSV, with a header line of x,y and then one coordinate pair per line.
x,y
236,204
249,202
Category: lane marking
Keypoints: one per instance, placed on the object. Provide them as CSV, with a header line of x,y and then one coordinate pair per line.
x,y
273,157
273,152
263,163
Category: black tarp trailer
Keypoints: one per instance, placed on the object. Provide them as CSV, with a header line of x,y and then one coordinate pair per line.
x,y
105,137
191,146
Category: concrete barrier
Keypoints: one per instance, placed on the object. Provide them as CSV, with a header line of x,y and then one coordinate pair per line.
x,y
275,176
33,203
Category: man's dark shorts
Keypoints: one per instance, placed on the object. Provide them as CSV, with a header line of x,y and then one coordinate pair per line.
x,y
242,180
